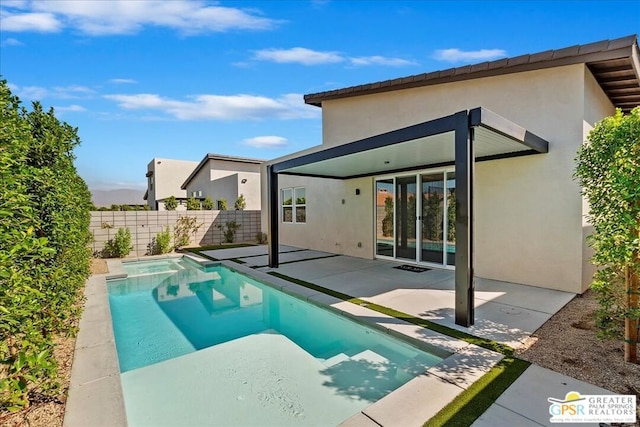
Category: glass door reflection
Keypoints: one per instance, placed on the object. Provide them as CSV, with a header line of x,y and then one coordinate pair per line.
x,y
384,217
432,218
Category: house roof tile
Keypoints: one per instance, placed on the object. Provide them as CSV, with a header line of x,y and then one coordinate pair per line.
x,y
601,58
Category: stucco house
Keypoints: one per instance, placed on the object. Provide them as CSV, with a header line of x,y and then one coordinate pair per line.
x,y
225,177
164,178
468,169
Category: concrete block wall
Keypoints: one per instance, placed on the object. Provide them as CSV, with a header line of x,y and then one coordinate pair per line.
x,y
145,225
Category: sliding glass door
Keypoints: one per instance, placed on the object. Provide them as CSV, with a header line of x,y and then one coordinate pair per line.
x,y
385,203
415,218
432,218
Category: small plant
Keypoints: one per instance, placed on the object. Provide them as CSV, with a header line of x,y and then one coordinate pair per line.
x,y
120,245
241,203
171,203
185,227
163,242
261,237
230,231
193,204
207,204
222,204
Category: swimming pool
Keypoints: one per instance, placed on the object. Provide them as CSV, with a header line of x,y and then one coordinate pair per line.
x,y
210,346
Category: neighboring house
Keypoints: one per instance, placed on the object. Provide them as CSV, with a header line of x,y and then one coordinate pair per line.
x,y
164,178
478,162
225,177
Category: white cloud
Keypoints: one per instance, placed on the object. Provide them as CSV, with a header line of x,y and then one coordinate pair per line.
x,y
122,81
220,107
34,22
36,93
71,108
268,141
128,17
304,56
457,55
12,42
29,93
72,92
380,60
298,55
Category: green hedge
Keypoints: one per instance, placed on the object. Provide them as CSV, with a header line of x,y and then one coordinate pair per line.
x,y
44,257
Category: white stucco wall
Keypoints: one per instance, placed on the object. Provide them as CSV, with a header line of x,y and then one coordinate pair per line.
x,y
221,168
331,225
250,189
528,210
168,176
223,179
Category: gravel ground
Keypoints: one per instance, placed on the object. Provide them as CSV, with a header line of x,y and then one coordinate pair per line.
x,y
567,344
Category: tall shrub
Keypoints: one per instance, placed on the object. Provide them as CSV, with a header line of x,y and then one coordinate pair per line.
x,y
207,204
120,245
44,259
184,229
608,169
241,203
171,203
193,204
163,242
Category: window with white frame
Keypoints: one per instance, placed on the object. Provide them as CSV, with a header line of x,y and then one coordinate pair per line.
x,y
294,205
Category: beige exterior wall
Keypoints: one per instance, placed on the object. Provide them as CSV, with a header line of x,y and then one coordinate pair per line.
x,y
331,225
168,177
528,210
221,168
223,179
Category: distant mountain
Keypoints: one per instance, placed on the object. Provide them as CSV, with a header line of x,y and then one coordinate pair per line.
x,y
122,196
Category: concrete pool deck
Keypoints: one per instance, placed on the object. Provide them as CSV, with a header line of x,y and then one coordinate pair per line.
x,y
505,312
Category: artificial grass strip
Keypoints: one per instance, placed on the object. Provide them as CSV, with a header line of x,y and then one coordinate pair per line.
x,y
310,285
226,246
427,324
198,251
475,400
298,260
200,254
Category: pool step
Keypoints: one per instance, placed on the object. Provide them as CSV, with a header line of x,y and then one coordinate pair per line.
x,y
366,355
334,360
371,357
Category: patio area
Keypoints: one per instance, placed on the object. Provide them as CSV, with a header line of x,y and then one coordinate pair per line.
x,y
505,312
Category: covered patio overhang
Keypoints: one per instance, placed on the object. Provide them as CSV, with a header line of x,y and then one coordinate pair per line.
x,y
460,139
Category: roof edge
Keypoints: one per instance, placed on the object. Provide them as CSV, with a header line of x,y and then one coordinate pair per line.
x,y
597,51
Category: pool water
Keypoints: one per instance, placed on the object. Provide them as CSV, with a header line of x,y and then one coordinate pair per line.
x,y
239,352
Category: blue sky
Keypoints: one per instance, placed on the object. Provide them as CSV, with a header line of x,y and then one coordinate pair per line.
x,y
174,79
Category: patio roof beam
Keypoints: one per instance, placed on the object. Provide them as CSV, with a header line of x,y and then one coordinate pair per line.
x,y
488,119
272,212
464,256
432,127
